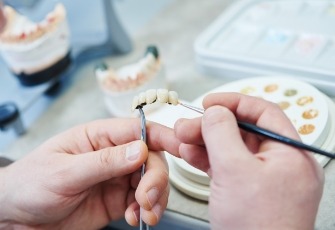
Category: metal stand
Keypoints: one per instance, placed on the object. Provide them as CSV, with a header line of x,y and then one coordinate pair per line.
x,y
118,42
10,118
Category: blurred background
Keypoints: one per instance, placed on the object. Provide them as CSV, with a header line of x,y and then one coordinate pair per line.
x,y
89,28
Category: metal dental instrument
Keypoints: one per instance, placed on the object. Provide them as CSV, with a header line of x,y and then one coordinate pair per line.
x,y
143,225
267,133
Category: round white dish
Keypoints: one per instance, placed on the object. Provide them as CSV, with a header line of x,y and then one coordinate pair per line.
x,y
191,172
189,187
292,92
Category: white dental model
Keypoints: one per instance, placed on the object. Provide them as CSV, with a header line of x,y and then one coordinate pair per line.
x,y
129,76
152,95
28,47
119,86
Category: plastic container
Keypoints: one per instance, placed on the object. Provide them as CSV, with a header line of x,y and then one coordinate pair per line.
x,y
271,38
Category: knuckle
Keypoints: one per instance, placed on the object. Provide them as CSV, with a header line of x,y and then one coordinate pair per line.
x,y
106,158
164,177
216,114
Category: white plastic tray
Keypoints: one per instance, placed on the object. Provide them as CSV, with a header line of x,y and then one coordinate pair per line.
x,y
271,37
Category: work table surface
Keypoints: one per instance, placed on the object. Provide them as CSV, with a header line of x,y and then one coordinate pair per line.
x,y
173,31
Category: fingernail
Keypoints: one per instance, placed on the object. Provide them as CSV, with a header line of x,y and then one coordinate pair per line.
x,y
133,151
157,209
152,196
213,114
137,215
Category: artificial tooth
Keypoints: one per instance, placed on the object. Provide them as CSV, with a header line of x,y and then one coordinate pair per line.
x,y
135,103
163,95
151,96
173,98
142,99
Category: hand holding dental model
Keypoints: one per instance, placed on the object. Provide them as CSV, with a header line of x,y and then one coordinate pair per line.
x,y
88,176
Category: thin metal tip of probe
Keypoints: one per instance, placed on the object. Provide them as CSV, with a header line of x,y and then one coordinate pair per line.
x,y
143,225
196,109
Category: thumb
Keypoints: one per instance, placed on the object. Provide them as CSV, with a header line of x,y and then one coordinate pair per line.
x,y
94,167
222,138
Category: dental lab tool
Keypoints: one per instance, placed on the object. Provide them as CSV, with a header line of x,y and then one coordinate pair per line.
x,y
143,225
267,133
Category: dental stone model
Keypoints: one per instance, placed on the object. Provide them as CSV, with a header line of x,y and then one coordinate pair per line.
x,y
129,76
121,85
36,52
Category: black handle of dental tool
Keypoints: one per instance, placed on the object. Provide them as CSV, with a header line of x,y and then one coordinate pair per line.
x,y
257,130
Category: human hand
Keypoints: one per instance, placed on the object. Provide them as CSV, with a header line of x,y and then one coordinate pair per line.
x,y
256,183
88,176
2,18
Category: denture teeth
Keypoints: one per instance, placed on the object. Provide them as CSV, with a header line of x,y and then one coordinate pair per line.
x,y
142,99
163,95
151,96
135,103
173,98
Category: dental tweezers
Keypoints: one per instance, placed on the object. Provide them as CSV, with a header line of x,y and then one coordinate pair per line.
x,y
143,225
269,134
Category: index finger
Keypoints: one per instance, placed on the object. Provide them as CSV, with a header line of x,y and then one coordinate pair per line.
x,y
100,134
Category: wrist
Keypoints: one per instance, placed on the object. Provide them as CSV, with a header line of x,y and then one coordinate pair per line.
x,y
3,214
4,217
3,20
4,224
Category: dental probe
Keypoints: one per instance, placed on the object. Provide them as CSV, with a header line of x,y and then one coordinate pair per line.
x,y
143,225
272,135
